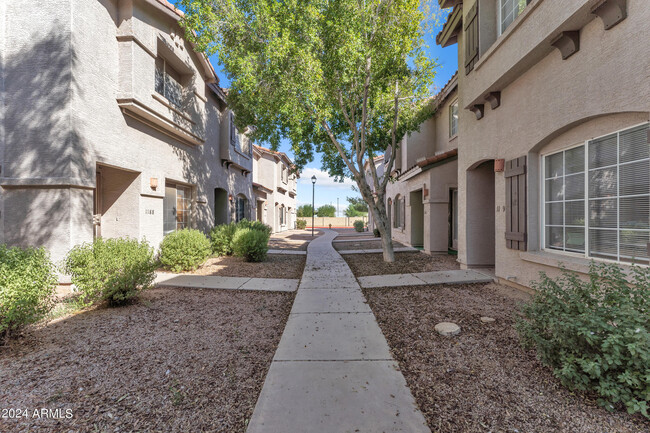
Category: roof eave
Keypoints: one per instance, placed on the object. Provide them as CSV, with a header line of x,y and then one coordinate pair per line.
x,y
451,29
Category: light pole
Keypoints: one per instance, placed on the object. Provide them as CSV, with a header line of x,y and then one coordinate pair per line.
x,y
313,211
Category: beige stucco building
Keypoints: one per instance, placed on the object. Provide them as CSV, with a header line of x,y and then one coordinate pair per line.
x,y
274,186
112,125
559,91
422,201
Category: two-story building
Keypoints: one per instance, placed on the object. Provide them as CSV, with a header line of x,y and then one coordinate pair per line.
x,y
274,184
112,125
554,153
423,200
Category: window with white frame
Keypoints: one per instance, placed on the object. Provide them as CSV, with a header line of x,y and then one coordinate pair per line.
x,y
168,82
508,11
453,118
597,197
176,207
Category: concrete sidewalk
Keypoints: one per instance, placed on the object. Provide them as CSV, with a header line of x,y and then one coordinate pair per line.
x,y
379,250
288,252
333,371
425,278
164,279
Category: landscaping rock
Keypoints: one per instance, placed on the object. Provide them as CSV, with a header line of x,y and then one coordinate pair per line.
x,y
486,319
447,329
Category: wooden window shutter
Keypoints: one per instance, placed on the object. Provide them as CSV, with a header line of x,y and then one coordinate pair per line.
x,y
515,174
471,38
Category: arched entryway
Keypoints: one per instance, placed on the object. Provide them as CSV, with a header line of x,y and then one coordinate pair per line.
x,y
480,220
220,206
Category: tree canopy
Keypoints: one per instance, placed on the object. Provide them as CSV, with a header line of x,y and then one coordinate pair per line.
x,y
326,210
344,78
305,210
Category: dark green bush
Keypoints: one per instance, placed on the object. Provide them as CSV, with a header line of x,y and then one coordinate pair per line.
x,y
376,233
358,225
301,224
251,244
27,283
184,250
221,239
594,334
112,270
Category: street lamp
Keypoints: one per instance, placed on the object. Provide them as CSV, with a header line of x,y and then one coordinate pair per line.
x,y
313,210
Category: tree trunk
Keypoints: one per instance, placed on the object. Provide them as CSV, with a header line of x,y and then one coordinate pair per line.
x,y
380,217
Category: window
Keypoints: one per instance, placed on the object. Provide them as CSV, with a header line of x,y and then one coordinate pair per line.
x,y
240,208
176,208
509,10
168,82
453,118
597,197
399,206
237,139
281,216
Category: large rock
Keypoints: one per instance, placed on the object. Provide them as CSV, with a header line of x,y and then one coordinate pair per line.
x,y
447,329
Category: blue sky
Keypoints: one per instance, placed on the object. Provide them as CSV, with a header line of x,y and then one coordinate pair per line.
x,y
327,191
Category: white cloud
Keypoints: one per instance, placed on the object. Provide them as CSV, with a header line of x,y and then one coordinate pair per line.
x,y
323,179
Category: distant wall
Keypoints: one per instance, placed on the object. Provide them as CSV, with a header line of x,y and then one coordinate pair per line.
x,y
335,221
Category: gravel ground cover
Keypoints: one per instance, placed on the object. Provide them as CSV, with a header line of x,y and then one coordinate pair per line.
x,y
178,360
350,232
364,265
481,380
364,245
275,266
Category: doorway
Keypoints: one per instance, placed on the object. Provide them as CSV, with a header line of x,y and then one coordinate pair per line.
x,y
453,219
417,219
480,209
220,206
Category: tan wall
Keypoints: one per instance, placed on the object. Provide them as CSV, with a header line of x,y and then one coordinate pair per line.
x,y
548,103
334,221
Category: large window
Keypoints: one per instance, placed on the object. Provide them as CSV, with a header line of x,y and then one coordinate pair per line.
x,y
168,82
281,216
237,139
176,207
453,119
509,10
597,197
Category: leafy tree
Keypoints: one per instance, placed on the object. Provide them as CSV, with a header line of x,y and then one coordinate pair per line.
x,y
358,204
352,211
344,78
305,210
326,210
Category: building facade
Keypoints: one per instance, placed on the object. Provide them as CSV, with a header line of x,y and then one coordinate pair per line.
x,y
274,184
112,125
554,152
423,200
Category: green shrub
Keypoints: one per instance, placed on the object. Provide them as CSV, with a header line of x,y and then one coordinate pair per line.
x,y
301,224
594,334
221,239
27,282
184,250
376,233
358,225
260,226
251,244
112,270
221,236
